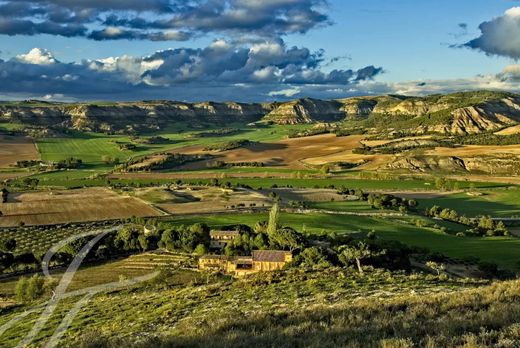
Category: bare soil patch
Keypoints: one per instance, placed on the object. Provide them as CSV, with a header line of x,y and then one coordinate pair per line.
x,y
16,148
290,153
54,207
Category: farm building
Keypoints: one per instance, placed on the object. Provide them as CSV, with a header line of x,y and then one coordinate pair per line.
x,y
259,261
219,239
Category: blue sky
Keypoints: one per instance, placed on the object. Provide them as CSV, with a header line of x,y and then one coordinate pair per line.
x,y
58,49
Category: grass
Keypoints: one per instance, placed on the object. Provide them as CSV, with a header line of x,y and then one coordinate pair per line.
x,y
90,147
330,307
497,203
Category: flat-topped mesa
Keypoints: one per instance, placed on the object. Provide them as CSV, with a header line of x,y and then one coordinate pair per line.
x,y
120,116
306,110
458,113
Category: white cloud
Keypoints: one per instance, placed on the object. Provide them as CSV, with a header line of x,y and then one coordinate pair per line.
x,y
289,92
37,56
500,36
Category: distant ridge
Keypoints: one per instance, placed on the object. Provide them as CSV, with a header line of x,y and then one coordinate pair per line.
x,y
457,113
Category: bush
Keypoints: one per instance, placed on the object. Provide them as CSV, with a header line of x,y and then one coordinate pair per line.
x,y
33,288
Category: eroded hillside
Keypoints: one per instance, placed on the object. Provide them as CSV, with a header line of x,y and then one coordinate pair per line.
x,y
459,113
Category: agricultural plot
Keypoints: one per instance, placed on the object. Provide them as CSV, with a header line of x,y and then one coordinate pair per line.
x,y
307,195
290,153
91,147
129,267
191,200
54,207
502,203
15,148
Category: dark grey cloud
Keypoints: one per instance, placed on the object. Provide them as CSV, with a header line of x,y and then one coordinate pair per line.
x,y
223,70
161,19
500,36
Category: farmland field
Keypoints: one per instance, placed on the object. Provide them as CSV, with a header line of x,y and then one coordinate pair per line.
x,y
128,267
90,147
496,203
16,148
41,208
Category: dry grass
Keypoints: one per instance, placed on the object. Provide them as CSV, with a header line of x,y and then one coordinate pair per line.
x,y
475,150
54,207
14,149
510,130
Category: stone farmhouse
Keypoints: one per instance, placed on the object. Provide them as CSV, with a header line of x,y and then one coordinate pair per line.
x,y
259,261
219,239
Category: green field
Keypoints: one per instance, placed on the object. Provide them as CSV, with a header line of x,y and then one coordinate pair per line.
x,y
90,147
497,203
504,251
79,178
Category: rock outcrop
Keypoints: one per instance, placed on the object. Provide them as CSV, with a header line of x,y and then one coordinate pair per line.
x,y
459,113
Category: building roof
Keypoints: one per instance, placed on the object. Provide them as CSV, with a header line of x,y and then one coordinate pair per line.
x,y
270,255
229,234
214,257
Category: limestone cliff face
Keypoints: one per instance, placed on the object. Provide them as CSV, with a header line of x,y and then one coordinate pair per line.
x,y
459,113
121,116
306,111
506,164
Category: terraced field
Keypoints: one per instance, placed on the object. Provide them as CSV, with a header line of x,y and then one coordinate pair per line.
x,y
126,268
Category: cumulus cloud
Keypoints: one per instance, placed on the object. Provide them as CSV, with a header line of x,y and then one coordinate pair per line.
x,y
222,70
500,36
160,20
37,56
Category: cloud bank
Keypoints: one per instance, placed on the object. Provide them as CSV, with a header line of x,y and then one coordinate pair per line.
x,y
224,70
160,20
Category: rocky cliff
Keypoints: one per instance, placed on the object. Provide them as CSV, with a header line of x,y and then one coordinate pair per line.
x,y
113,117
459,113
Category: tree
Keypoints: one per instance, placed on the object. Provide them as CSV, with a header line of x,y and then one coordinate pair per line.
x,y
438,267
8,246
200,250
287,239
357,253
325,169
260,227
33,288
6,260
314,257
274,219
440,183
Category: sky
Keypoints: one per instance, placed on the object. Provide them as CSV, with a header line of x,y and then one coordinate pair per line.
x,y
255,50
